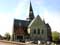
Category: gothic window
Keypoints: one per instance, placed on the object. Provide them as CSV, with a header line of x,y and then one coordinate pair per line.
x,y
42,31
34,31
38,31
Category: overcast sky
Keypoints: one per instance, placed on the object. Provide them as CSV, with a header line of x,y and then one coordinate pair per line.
x,y
19,9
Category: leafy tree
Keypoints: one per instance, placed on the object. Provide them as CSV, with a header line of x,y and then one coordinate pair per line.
x,y
7,36
55,36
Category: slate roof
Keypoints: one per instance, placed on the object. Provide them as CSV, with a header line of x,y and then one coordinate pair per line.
x,y
22,23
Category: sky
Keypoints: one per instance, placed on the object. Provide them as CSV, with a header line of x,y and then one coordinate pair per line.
x,y
49,10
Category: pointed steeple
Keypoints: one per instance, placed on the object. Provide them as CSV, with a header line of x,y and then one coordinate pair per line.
x,y
31,14
30,7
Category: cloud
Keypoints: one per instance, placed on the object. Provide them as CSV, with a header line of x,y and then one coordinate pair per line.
x,y
45,13
5,24
38,2
55,23
21,10
53,19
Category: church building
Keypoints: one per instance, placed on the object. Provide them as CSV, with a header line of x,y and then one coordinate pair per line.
x,y
34,28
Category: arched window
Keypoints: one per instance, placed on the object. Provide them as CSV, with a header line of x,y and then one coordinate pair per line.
x,y
34,31
38,31
42,31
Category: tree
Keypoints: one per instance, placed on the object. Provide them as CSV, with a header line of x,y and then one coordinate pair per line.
x,y
7,36
55,36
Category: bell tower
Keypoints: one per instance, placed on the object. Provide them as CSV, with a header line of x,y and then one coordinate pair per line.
x,y
31,14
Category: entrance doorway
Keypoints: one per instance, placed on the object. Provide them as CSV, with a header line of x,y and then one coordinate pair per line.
x,y
19,38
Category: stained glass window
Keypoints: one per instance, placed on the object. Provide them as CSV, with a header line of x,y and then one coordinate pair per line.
x,y
34,31
38,31
42,31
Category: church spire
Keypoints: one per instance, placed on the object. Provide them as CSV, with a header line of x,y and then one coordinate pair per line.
x,y
31,14
31,7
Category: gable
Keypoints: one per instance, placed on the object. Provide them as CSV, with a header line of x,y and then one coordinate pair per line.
x,y
37,22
